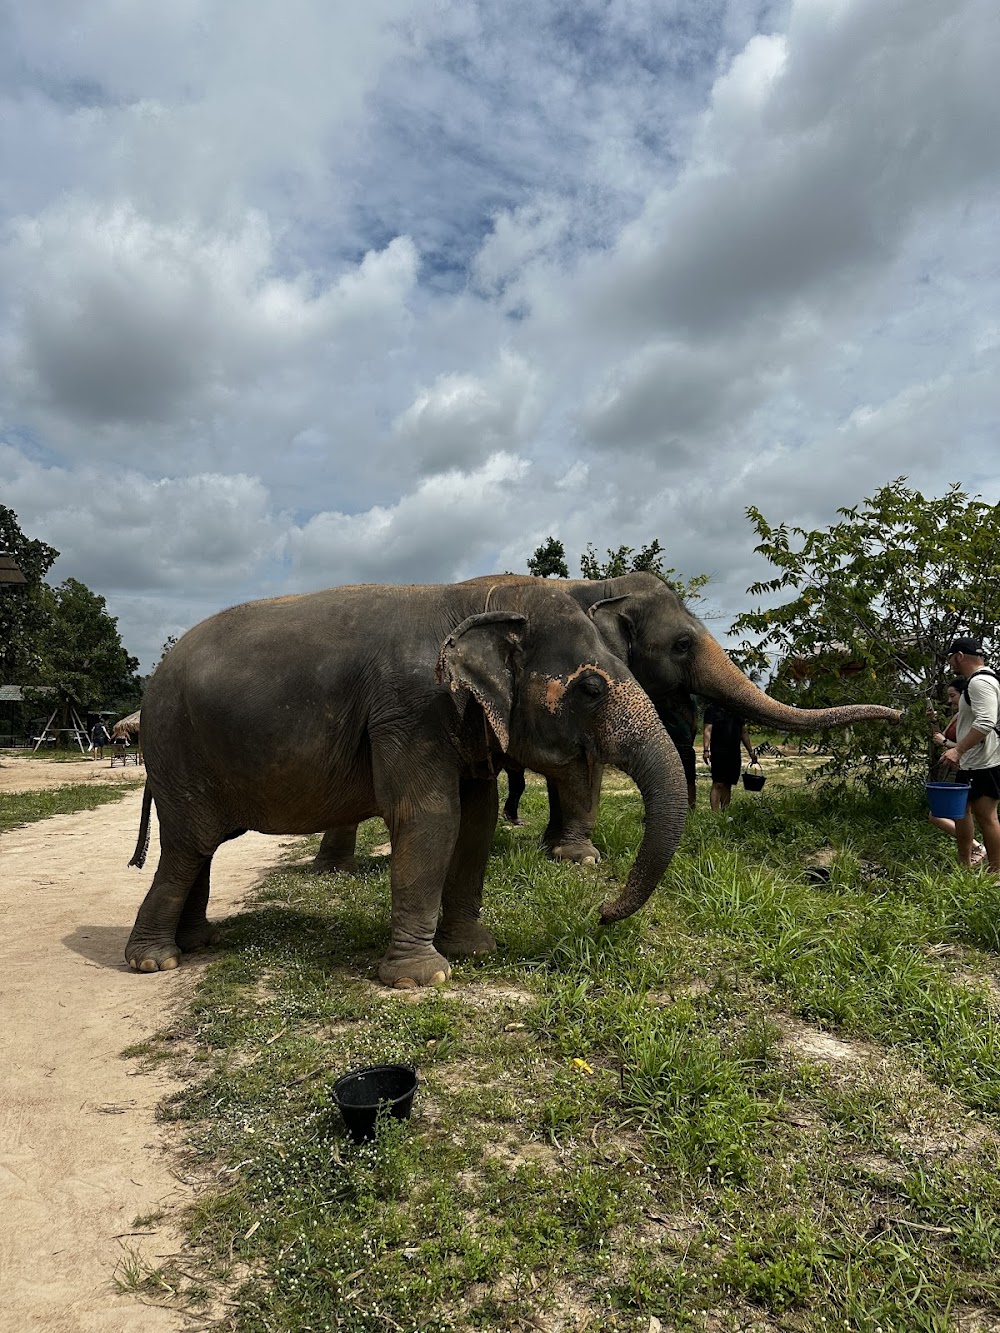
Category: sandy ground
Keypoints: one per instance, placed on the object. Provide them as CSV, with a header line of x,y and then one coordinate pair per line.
x,y
81,1155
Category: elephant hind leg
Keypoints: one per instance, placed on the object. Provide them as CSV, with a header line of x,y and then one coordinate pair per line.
x,y
152,945
515,790
336,851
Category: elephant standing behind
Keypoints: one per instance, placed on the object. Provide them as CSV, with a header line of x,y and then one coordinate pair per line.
x,y
671,654
304,713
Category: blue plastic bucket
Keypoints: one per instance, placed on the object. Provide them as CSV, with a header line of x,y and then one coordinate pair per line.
x,y
947,800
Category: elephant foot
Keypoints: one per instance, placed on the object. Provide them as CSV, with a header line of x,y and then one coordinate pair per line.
x,y
426,969
465,939
201,936
334,865
152,957
583,853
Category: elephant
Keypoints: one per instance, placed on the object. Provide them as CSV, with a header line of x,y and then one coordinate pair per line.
x,y
299,714
672,655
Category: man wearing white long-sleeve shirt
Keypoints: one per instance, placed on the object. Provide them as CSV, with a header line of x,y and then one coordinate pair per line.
x,y
977,750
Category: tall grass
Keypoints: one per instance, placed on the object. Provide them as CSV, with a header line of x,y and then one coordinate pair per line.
x,y
617,1127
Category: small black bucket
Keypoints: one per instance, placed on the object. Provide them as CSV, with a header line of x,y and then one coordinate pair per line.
x,y
754,781
364,1094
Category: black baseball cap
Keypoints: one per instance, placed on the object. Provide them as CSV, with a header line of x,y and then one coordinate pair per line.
x,y
971,647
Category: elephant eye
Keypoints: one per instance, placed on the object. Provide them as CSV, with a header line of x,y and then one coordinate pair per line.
x,y
593,684
683,643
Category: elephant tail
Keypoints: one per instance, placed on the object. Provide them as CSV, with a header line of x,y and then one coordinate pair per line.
x,y
142,843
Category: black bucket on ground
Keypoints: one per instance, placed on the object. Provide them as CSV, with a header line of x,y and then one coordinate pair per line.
x,y
364,1094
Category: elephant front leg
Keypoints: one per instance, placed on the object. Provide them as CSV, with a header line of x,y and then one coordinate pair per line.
x,y
194,930
572,815
152,945
336,851
422,847
461,933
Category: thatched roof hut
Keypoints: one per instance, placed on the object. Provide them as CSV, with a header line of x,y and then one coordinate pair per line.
x,y
127,727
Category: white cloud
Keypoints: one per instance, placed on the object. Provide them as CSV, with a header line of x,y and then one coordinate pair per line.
x,y
121,320
464,418
447,523
123,531
298,297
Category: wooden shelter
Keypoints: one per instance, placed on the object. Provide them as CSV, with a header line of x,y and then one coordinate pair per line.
x,y
127,726
126,730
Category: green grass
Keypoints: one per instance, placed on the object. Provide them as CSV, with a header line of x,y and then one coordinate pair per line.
x,y
760,1103
25,807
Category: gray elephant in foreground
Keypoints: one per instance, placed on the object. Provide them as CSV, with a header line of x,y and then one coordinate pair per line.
x,y
303,713
670,653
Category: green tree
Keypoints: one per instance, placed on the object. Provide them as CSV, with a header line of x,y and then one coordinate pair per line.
x,y
626,560
877,598
81,652
549,559
23,610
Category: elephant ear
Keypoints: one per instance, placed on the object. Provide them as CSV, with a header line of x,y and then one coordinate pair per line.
x,y
615,625
477,658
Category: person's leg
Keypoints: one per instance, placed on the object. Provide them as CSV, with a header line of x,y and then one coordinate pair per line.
x,y
945,825
725,771
965,835
984,811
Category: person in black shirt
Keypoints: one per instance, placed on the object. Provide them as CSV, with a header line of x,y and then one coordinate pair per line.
x,y
98,739
724,731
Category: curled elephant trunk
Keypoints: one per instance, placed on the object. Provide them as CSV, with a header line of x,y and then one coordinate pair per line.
x,y
637,744
719,678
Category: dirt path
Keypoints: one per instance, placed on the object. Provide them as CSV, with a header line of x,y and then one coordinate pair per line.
x,y
81,1155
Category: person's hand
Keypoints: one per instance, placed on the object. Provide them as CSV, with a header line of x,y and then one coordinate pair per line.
x,y
939,738
951,756
706,756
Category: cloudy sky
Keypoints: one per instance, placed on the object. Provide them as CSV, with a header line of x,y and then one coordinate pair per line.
x,y
315,293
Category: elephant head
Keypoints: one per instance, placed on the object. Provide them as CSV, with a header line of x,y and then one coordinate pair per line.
x,y
559,702
670,650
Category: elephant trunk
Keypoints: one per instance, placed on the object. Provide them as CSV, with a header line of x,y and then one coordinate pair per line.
x,y
636,743
720,679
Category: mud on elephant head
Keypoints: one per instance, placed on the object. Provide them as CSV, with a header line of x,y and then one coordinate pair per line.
x,y
307,713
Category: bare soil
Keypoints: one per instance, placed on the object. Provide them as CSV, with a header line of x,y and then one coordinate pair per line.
x,y
81,1154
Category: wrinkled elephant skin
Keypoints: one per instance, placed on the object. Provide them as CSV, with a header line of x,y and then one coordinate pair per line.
x,y
672,655
312,713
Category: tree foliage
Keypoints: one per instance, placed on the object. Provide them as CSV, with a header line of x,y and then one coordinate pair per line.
x,y
549,560
626,560
23,613
61,637
82,654
876,599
